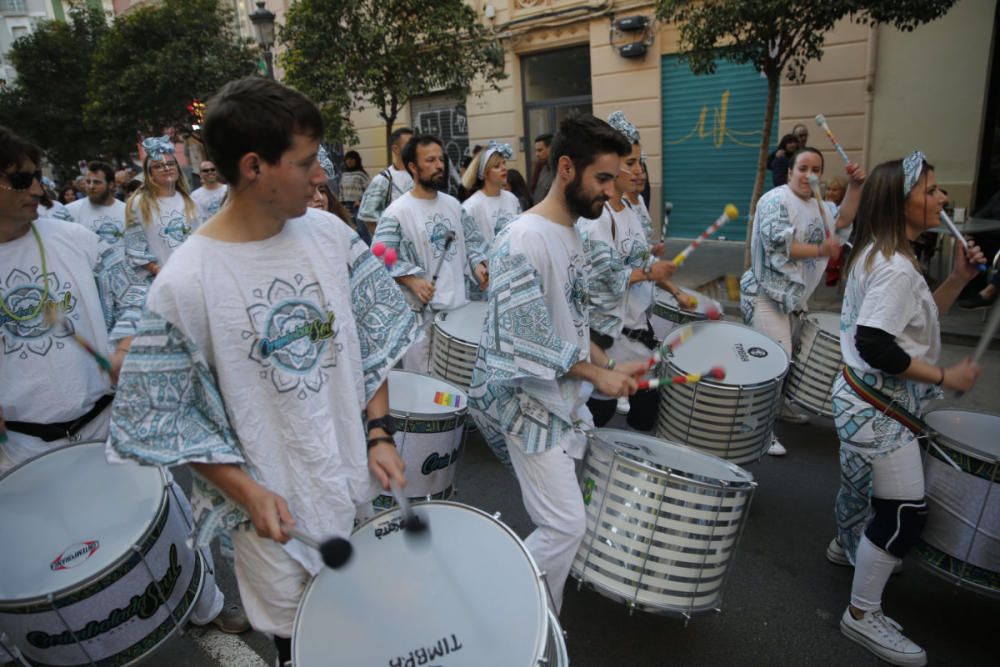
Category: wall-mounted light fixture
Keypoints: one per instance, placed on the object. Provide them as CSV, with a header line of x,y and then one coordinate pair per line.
x,y
637,29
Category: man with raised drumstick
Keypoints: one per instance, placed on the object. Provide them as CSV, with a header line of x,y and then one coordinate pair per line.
x,y
535,357
265,339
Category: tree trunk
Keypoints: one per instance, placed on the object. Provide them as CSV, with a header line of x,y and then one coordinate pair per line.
x,y
389,116
765,143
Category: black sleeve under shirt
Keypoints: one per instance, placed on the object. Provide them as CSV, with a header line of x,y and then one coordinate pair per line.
x,y
880,350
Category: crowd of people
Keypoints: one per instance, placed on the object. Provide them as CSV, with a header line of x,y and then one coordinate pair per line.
x,y
249,330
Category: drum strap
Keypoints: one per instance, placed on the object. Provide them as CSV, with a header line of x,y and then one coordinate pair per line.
x,y
885,404
52,432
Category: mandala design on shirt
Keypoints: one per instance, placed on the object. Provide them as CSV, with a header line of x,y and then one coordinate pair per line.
x,y
107,229
437,230
292,338
21,292
174,229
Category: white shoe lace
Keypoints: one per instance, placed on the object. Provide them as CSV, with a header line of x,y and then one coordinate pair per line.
x,y
888,628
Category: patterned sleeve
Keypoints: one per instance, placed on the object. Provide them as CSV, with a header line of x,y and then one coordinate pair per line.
x,y
386,325
122,290
475,244
372,202
774,225
606,284
137,252
390,233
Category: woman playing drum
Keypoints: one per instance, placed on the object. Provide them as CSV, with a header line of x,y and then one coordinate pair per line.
x,y
890,340
789,249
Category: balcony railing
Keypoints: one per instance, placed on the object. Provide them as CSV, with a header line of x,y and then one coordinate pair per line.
x,y
13,6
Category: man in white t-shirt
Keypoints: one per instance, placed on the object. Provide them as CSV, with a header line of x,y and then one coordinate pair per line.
x,y
389,184
99,211
437,243
212,193
535,359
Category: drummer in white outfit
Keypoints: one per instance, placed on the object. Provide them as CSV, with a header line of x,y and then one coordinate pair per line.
x,y
622,328
417,226
789,248
52,391
535,357
891,342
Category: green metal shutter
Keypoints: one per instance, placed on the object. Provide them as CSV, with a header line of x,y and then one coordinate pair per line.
x,y
711,135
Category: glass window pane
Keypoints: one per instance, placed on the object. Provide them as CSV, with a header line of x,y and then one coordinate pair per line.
x,y
563,73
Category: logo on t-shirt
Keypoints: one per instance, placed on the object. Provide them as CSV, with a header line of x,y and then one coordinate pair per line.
x,y
174,228
21,294
107,229
437,233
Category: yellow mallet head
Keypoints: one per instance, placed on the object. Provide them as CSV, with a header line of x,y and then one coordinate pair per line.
x,y
732,212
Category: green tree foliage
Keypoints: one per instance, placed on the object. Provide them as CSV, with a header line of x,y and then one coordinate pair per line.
x,y
45,103
777,36
155,60
382,53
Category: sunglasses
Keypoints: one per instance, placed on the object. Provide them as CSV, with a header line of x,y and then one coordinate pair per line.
x,y
22,180
208,171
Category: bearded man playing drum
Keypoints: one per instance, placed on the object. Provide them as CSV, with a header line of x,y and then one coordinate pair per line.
x,y
265,339
891,340
535,355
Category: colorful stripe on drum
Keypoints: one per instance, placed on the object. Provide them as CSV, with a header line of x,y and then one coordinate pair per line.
x,y
448,399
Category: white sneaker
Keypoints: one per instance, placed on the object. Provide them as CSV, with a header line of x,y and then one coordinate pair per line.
x,y
883,637
776,448
623,405
790,415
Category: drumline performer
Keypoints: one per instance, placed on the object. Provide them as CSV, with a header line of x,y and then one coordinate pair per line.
x,y
278,328
789,248
389,184
437,244
53,390
891,341
620,326
535,357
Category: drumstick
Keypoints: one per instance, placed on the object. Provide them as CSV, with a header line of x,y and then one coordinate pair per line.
x,y
730,213
448,238
958,235
54,316
716,373
335,551
821,121
412,523
988,333
814,186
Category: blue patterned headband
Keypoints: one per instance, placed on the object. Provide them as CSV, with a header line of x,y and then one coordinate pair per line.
x,y
618,121
157,147
912,166
505,151
324,161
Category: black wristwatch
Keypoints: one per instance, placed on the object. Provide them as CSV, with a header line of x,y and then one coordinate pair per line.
x,y
386,423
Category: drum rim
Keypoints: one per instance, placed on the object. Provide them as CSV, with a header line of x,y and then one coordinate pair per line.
x,y
430,416
144,542
955,444
442,315
539,577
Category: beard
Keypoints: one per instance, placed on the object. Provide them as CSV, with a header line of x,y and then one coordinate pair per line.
x,y
437,182
579,205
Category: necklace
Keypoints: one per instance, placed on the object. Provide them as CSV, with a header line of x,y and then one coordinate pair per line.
x,y
45,289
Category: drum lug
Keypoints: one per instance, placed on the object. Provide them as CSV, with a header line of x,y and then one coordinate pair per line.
x,y
496,515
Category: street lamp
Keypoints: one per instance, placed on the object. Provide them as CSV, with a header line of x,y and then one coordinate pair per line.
x,y
263,27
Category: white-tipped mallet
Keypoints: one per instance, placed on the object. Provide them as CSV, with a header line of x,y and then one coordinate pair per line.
x,y
335,551
947,222
821,121
730,213
814,186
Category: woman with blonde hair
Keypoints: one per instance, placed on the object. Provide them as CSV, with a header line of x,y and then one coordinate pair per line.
x,y
160,214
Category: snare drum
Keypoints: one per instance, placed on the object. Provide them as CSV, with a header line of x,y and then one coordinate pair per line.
x,y
730,418
669,315
818,362
663,522
961,540
466,592
456,342
96,563
430,415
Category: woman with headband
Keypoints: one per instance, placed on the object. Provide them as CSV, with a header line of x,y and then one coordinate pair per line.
x,y
160,215
891,342
792,240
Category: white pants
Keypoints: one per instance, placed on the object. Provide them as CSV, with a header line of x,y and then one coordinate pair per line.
x,y
896,476
418,357
770,321
552,497
271,582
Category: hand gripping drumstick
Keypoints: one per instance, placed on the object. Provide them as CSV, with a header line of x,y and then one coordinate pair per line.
x,y
821,121
814,186
958,235
716,373
730,213
335,551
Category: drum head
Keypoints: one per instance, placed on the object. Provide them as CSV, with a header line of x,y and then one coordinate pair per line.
x,y
747,356
415,395
67,515
828,322
466,592
465,323
665,454
968,431
667,300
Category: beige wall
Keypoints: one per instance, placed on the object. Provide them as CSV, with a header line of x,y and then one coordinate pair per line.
x,y
930,93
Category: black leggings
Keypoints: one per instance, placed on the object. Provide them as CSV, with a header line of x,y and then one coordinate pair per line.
x,y
641,414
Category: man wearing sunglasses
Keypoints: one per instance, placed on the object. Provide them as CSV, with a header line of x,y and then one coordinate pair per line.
x,y
99,211
212,193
